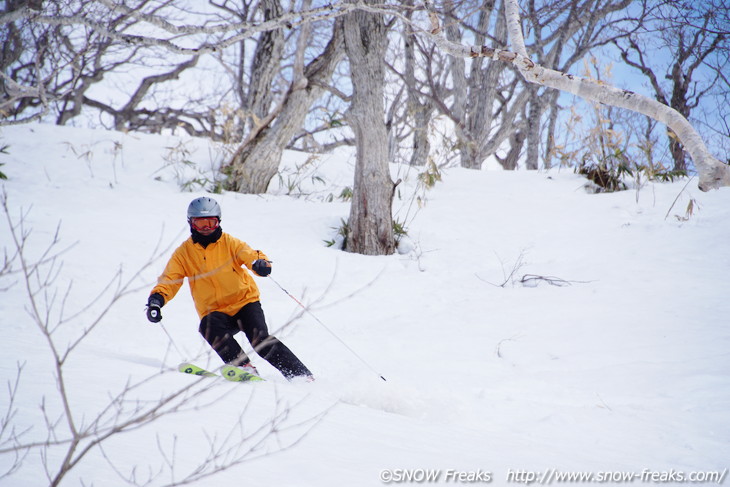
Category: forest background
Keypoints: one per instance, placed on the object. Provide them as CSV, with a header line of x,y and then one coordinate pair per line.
x,y
263,76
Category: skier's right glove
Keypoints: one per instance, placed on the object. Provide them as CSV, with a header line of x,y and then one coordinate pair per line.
x,y
154,303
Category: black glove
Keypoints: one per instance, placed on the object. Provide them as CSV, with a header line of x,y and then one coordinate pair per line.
x,y
261,267
154,303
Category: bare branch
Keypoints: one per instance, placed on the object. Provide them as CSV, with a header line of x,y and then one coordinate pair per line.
x,y
236,31
713,173
70,435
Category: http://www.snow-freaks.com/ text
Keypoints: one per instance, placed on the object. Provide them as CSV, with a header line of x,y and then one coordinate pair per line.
x,y
549,476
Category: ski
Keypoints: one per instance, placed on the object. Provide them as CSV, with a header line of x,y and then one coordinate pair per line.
x,y
188,368
237,374
228,372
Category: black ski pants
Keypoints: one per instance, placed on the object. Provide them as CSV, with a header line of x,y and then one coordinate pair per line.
x,y
218,329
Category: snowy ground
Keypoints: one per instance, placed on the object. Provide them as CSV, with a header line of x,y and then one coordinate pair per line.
x,y
624,368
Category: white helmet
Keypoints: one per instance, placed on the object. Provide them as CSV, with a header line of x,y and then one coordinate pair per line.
x,y
204,206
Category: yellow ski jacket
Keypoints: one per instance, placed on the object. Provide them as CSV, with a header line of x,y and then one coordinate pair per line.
x,y
215,274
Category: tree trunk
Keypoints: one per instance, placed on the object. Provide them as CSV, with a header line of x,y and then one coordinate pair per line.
x,y
421,144
552,124
484,104
534,117
370,225
510,161
256,162
266,65
420,112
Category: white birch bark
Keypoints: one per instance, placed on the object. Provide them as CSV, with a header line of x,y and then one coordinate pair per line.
x,y
713,174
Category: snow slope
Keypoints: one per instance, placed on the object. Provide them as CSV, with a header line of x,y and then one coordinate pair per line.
x,y
614,358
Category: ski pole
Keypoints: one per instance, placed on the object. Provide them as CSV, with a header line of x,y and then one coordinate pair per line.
x,y
326,328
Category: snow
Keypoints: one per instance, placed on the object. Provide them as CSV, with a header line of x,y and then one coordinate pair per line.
x,y
620,364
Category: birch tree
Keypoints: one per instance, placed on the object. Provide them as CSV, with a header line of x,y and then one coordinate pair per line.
x,y
562,33
490,103
191,41
712,173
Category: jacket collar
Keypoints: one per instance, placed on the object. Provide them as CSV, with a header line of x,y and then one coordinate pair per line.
x,y
205,240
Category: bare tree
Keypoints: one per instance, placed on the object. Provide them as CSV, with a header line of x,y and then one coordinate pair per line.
x,y
495,98
257,159
26,72
695,47
562,33
267,63
52,67
712,172
420,108
94,38
423,72
486,103
490,104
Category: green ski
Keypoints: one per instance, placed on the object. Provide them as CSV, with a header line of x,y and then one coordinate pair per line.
x,y
237,374
188,368
228,372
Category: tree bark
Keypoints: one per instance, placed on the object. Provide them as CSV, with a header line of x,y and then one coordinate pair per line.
x,y
535,110
255,163
418,111
370,225
266,64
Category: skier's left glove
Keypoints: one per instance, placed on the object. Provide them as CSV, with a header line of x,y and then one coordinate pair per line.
x,y
154,303
261,267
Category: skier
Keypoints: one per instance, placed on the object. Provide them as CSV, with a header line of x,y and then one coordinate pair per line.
x,y
226,296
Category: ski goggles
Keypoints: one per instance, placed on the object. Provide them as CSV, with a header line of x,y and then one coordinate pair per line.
x,y
205,223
